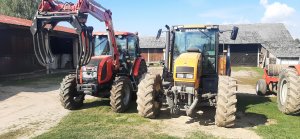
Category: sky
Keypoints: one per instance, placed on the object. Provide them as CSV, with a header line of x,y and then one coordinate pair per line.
x,y
147,16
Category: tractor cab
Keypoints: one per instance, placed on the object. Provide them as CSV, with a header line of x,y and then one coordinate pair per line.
x,y
198,40
127,43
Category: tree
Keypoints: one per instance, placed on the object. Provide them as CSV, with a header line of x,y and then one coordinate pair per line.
x,y
19,8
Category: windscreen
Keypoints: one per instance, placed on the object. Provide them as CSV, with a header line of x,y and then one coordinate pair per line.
x,y
205,40
102,45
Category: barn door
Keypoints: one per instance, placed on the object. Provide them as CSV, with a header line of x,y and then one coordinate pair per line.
x,y
244,55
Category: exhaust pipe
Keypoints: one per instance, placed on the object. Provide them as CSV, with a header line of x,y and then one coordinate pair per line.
x,y
190,110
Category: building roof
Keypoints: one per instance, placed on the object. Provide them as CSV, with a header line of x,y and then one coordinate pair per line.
x,y
272,36
257,33
151,42
27,23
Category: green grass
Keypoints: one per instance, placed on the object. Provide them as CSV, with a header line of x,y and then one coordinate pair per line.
x,y
284,126
258,73
96,120
15,134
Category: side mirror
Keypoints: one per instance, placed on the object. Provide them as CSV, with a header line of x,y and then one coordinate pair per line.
x,y
158,34
234,33
168,27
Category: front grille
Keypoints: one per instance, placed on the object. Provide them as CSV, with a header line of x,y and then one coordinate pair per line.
x,y
185,69
185,84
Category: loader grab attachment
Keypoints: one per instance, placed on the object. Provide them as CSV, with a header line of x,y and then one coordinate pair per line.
x,y
51,12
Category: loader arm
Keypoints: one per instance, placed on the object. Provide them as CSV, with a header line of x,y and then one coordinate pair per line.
x,y
51,12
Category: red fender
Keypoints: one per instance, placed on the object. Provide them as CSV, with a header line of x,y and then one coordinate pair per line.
x,y
297,67
137,64
269,79
109,70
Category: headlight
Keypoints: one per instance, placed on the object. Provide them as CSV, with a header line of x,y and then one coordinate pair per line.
x,y
189,76
180,75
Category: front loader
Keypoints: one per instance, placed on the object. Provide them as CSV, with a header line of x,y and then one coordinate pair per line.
x,y
109,64
195,74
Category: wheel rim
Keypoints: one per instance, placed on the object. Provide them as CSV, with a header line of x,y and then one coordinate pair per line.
x,y
126,97
257,88
283,92
157,89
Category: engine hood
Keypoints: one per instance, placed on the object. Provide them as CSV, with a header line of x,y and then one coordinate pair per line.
x,y
187,64
95,60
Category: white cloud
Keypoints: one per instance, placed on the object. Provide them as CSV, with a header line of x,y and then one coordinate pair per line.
x,y
276,12
281,13
264,2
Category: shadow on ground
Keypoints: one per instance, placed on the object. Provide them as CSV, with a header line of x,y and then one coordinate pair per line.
x,y
243,119
40,84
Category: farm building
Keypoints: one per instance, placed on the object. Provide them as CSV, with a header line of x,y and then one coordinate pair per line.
x,y
261,44
151,49
256,45
16,50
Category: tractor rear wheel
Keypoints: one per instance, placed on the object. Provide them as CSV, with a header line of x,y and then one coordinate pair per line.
x,y
261,87
226,102
120,94
69,97
288,97
148,96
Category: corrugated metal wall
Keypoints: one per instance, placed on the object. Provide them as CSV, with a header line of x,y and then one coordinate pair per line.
x,y
16,51
152,55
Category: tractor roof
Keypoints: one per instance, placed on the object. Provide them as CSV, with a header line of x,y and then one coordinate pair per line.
x,y
116,33
196,26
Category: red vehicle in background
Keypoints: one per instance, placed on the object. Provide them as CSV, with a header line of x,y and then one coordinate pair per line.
x,y
285,81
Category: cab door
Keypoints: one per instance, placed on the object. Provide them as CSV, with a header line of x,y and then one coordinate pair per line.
x,y
132,48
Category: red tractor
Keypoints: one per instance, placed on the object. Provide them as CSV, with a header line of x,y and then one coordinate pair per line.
x,y
109,64
285,81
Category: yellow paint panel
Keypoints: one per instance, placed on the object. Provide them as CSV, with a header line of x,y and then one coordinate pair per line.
x,y
195,26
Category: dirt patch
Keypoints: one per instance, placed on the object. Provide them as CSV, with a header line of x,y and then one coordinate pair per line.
x,y
29,108
184,126
245,74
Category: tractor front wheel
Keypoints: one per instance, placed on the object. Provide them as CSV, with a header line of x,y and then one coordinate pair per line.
x,y
261,87
69,97
288,97
226,102
148,96
120,94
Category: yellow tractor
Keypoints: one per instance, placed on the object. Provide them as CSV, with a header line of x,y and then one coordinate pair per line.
x,y
195,74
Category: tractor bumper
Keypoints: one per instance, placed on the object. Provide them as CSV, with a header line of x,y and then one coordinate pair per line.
x,y
88,89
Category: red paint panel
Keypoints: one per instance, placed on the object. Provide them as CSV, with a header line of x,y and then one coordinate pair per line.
x,y
269,79
80,77
109,73
297,67
137,64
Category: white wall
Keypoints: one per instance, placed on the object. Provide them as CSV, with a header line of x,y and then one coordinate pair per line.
x,y
288,61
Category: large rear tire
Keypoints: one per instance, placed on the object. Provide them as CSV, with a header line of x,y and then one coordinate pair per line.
x,y
288,97
69,97
226,102
120,94
148,96
261,87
